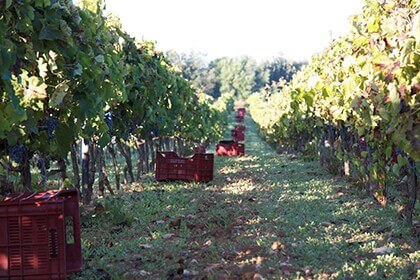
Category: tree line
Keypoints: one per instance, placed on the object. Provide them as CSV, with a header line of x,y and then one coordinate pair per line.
x,y
239,76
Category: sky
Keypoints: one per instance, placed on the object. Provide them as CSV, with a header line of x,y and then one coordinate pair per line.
x,y
263,29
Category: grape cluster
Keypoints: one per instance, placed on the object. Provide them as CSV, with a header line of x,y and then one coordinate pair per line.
x,y
331,132
17,153
155,131
43,162
108,121
50,125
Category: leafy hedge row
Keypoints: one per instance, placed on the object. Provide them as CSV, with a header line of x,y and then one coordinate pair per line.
x,y
357,103
68,72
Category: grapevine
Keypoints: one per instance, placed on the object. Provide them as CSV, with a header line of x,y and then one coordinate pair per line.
x,y
70,73
356,104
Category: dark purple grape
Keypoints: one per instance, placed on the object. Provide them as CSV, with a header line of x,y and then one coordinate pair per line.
x,y
155,130
40,163
17,153
50,125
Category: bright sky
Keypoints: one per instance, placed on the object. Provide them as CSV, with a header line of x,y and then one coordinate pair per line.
x,y
263,29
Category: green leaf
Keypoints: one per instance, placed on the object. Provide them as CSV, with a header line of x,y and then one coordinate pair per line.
x,y
78,71
51,32
309,100
388,152
59,93
31,123
13,137
6,75
104,140
408,49
99,58
394,96
14,115
8,4
372,25
4,126
39,3
42,68
383,112
28,11
108,91
64,136
401,161
396,169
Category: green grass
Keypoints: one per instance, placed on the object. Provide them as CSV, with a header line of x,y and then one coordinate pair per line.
x,y
264,214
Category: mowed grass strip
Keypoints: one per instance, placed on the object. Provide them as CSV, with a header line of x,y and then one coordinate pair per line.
x,y
265,215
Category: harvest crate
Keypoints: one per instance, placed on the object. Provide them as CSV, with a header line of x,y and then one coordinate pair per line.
x,y
171,167
40,235
237,135
230,148
240,128
200,150
241,112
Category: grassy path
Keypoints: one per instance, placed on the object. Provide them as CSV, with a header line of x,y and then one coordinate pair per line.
x,y
265,216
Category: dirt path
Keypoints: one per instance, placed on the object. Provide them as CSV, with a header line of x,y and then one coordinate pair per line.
x,y
264,216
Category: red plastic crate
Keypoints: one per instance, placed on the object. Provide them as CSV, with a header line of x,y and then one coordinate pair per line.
x,y
240,128
237,135
241,112
230,148
40,235
200,150
171,167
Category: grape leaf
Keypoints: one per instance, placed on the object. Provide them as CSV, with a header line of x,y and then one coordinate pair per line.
x,y
8,4
100,58
51,32
65,137
59,93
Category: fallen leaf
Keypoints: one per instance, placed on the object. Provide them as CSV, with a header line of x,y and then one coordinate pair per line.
x,y
167,235
190,272
275,245
143,272
259,261
208,243
257,276
383,250
176,223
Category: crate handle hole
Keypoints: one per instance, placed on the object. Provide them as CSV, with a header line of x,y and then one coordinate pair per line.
x,y
69,230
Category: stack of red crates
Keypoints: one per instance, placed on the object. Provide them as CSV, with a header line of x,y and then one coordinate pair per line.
x,y
233,147
40,235
240,115
171,167
240,128
238,133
